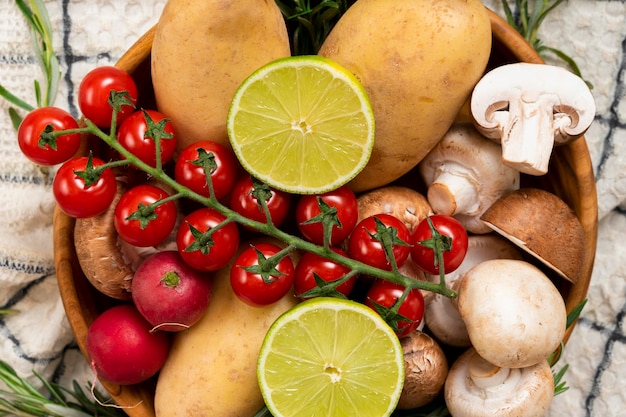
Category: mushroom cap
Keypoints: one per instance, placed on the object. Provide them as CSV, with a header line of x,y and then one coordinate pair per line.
x,y
514,314
425,367
543,225
442,315
405,203
477,388
465,174
99,253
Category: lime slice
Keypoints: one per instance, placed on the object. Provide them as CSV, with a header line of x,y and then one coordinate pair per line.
x,y
330,357
302,124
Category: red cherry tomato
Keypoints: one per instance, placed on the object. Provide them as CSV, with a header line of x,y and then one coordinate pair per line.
x,y
365,247
409,315
451,229
192,176
94,91
243,201
152,226
202,252
41,151
342,200
77,199
311,264
136,135
252,287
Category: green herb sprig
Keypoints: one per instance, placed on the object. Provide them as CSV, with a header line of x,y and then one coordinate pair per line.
x,y
36,16
21,398
526,18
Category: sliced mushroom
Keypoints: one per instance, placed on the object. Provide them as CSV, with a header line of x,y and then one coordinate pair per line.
x,y
542,224
465,174
530,108
404,203
425,370
514,314
476,388
442,315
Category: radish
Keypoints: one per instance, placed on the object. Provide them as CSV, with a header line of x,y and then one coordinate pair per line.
x,y
122,348
170,294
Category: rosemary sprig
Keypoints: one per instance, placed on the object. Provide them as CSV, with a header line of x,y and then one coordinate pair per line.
x,y
309,22
527,18
36,16
21,398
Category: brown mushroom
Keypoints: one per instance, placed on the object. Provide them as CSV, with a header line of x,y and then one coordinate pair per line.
x,y
99,254
408,205
476,388
425,368
543,225
107,261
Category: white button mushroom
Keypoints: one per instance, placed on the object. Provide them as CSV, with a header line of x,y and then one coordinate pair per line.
x,y
514,314
442,315
476,388
529,108
465,174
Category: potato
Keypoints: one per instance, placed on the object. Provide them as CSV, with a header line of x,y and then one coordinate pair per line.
x,y
202,51
211,368
418,61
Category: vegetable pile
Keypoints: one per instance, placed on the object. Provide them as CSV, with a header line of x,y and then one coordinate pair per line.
x,y
201,257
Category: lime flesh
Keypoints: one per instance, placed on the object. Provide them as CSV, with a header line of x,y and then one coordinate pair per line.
x,y
330,357
302,124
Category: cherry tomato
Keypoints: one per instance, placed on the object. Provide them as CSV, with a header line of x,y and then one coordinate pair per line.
x,y
75,197
252,287
193,176
94,91
363,245
151,226
342,200
243,201
452,230
311,264
207,253
42,151
409,315
137,135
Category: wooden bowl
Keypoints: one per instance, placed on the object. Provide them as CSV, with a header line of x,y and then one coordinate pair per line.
x,y
570,177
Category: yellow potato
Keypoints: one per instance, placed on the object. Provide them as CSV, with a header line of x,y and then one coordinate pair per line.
x,y
211,368
418,61
202,51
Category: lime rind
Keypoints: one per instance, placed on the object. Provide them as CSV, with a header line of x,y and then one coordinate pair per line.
x,y
323,340
302,140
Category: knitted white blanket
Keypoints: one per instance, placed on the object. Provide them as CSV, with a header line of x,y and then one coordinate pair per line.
x,y
89,33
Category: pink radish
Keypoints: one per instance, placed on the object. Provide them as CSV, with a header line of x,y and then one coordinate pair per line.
x,y
171,295
122,348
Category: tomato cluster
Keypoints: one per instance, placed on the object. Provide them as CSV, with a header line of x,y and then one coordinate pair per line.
x,y
208,237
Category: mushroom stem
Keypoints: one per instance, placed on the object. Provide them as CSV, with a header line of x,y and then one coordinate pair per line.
x,y
528,138
488,376
454,191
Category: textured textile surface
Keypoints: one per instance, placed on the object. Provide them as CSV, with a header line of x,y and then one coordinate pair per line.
x,y
89,33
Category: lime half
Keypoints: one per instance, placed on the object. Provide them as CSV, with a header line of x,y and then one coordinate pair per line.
x,y
330,357
302,124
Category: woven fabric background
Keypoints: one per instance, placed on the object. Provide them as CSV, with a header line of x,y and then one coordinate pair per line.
x,y
89,33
